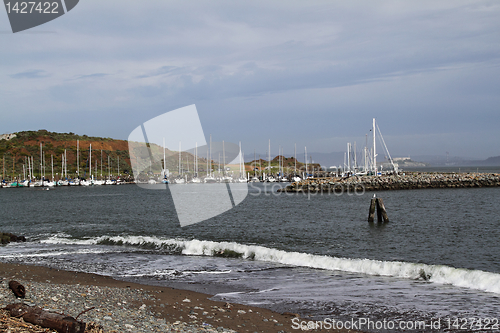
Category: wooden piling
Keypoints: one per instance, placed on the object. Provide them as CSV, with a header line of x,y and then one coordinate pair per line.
x,y
371,214
383,212
377,203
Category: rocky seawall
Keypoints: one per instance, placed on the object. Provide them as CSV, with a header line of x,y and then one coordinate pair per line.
x,y
407,181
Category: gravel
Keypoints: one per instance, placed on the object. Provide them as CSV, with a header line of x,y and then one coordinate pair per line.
x,y
115,309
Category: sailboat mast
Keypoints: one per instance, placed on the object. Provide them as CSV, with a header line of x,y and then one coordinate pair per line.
x,y
210,158
65,163
78,158
374,149
305,157
90,161
295,158
269,164
41,163
179,158
240,160
254,160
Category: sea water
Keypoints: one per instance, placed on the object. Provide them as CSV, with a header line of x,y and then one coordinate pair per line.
x,y
437,258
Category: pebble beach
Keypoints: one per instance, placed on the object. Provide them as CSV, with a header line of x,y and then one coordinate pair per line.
x,y
120,306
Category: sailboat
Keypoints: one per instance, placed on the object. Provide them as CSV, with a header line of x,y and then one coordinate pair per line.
x,y
241,178
209,178
164,171
195,179
225,177
180,179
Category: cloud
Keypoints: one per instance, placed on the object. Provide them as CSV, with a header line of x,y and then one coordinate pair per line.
x,y
30,74
314,68
92,76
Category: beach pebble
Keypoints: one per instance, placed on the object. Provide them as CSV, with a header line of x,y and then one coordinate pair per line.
x,y
112,309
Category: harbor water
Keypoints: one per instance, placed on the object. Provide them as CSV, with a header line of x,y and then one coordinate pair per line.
x,y
316,255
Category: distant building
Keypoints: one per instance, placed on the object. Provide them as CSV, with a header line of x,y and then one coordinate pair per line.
x,y
7,136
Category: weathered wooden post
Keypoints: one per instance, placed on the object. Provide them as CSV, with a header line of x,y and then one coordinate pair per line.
x,y
371,214
381,212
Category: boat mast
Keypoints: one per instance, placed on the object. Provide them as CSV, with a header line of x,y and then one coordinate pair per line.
x,y
269,151
66,163
295,158
254,161
164,161
210,158
179,158
279,161
374,149
348,157
41,163
305,157
355,160
240,161
78,158
90,161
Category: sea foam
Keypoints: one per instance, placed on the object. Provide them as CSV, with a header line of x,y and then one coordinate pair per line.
x,y
460,277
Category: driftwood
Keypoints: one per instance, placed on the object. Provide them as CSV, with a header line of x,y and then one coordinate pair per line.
x,y
17,288
37,316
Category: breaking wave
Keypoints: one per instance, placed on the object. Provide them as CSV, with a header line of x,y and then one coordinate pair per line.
x,y
459,277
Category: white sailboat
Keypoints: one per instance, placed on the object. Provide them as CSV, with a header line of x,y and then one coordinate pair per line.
x,y
209,179
241,178
196,179
180,179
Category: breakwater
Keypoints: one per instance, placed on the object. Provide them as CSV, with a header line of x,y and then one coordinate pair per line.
x,y
407,181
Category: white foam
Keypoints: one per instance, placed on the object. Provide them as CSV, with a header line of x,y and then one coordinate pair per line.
x,y
460,277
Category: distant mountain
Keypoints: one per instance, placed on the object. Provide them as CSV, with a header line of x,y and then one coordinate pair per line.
x,y
492,161
442,160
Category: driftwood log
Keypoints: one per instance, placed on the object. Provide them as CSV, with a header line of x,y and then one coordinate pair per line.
x,y
37,316
17,288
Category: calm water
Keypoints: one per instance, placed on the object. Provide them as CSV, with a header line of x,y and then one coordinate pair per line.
x,y
438,257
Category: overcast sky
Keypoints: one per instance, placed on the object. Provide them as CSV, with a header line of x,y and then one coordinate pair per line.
x,y
313,73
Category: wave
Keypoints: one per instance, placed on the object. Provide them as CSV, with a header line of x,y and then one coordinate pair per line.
x,y
459,277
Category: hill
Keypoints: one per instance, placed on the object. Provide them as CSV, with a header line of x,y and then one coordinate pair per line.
x,y
17,148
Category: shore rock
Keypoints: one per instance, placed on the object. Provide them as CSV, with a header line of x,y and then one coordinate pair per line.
x,y
405,181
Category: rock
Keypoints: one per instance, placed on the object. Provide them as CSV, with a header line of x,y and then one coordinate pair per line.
x,y
6,237
17,288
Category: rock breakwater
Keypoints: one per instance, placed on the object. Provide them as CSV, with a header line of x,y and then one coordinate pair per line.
x,y
406,181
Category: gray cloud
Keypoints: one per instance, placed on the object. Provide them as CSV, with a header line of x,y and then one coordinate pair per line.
x,y
30,74
91,76
314,72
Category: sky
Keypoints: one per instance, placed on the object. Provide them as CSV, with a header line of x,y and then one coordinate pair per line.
x,y
311,73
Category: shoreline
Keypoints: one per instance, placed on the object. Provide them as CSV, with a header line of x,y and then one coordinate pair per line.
x,y
157,308
407,181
